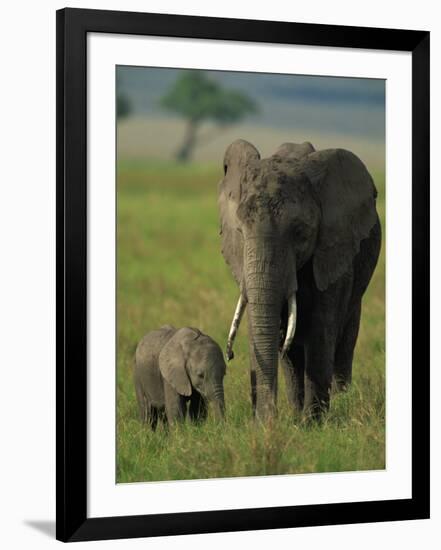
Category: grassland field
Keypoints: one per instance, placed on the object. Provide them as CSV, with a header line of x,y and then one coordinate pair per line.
x,y
170,270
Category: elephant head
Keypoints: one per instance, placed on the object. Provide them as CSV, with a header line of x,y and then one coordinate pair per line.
x,y
278,213
191,361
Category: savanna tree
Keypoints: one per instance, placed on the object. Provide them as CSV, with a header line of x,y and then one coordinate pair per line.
x,y
123,106
198,99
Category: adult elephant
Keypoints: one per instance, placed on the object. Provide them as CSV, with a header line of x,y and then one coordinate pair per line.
x,y
301,234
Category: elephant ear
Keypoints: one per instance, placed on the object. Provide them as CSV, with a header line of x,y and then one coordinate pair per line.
x,y
172,363
346,193
239,157
294,150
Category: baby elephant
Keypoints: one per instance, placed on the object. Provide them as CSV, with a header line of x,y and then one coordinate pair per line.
x,y
176,369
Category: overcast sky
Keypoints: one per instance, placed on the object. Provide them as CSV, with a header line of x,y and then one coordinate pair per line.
x,y
350,106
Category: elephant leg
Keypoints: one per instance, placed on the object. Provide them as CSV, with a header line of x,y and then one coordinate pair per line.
x,y
318,379
198,408
175,404
153,420
148,414
142,404
345,350
160,415
320,353
293,366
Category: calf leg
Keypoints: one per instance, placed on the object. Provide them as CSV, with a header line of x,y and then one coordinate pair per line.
x,y
147,412
198,407
175,404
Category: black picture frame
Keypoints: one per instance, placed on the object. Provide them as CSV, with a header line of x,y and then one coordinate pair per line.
x,y
72,523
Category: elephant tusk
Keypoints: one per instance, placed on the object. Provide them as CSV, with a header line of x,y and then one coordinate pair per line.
x,y
240,308
292,320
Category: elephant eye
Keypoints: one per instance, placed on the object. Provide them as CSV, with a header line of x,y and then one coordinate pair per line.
x,y
225,169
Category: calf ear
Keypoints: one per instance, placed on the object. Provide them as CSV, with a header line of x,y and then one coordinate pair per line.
x,y
346,193
172,365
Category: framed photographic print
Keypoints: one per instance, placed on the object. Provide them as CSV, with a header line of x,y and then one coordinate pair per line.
x,y
242,274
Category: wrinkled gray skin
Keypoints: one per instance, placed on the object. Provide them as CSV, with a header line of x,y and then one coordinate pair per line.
x,y
176,370
301,234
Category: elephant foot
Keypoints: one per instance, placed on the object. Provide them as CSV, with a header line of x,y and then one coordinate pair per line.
x,y
316,405
340,384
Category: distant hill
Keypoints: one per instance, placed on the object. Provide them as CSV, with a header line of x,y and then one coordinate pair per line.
x,y
145,136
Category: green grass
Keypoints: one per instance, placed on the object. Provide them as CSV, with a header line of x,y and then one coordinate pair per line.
x,y
170,270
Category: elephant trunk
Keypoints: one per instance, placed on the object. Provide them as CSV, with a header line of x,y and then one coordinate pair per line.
x,y
263,275
218,401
